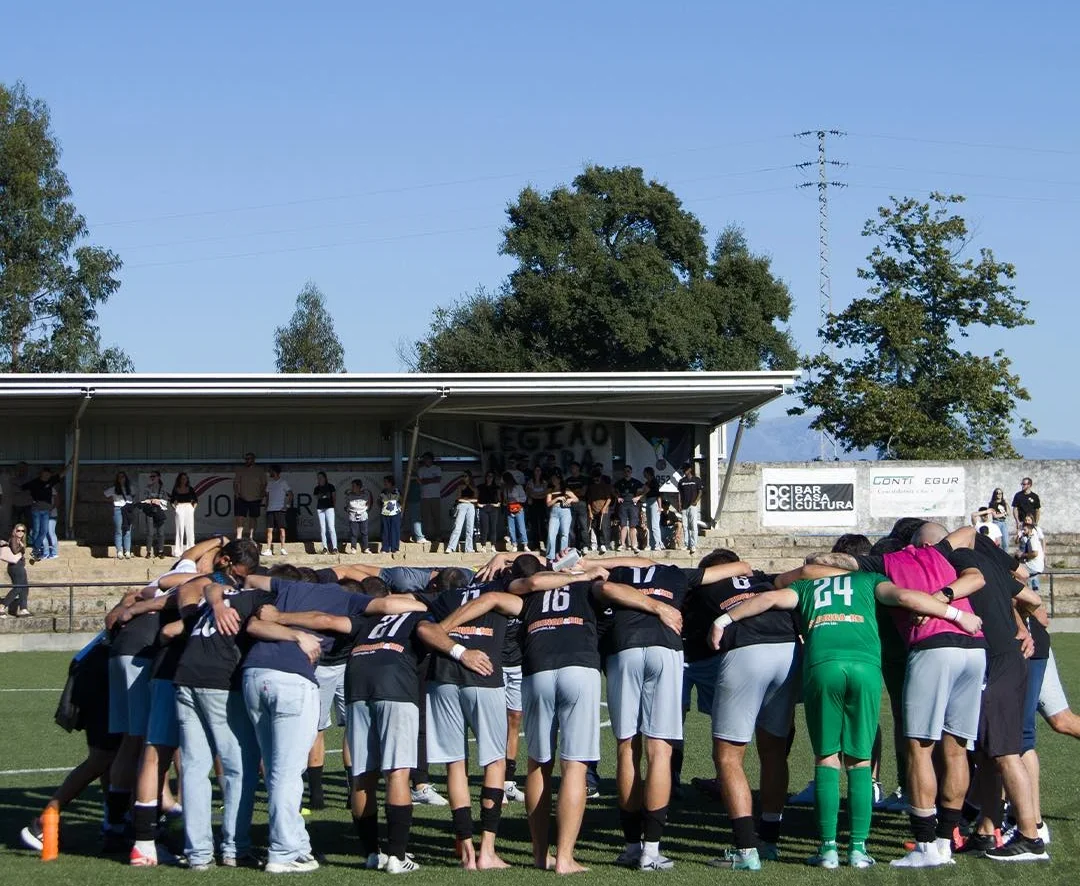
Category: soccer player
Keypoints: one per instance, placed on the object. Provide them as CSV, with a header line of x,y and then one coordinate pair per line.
x,y
841,687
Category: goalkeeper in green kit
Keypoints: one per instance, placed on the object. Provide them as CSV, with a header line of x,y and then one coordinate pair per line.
x,y
841,683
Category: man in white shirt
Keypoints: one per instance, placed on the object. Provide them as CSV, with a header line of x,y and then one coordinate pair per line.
x,y
429,476
279,498
1032,552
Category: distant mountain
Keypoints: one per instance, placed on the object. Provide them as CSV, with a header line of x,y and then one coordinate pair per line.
x,y
789,438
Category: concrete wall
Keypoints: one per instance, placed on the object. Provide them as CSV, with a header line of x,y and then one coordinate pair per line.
x,y
1056,482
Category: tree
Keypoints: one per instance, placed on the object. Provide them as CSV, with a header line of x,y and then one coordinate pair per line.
x,y
50,287
309,343
613,274
899,384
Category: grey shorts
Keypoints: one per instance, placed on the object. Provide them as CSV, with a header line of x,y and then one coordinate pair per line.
x,y
331,680
512,685
629,514
943,692
644,690
756,686
382,735
1052,698
450,708
163,729
129,694
563,702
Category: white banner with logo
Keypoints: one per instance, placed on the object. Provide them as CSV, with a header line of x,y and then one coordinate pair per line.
x,y
794,497
917,492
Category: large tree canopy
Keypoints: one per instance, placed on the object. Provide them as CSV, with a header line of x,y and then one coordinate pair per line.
x,y
50,287
614,274
309,343
898,382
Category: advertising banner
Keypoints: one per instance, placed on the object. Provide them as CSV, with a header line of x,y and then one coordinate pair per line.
x,y
917,492
793,497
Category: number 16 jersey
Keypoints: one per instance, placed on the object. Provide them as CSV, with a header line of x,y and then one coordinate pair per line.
x,y
838,618
559,629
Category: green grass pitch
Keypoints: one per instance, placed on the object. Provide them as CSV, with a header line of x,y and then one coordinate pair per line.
x,y
696,831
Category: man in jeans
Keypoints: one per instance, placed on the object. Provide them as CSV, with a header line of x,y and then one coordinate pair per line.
x,y
41,503
429,476
690,487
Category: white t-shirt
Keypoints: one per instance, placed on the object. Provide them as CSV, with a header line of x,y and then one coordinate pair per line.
x,y
992,530
356,506
276,491
1032,544
431,473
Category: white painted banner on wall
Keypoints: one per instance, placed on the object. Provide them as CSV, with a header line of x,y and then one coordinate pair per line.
x,y
822,497
917,492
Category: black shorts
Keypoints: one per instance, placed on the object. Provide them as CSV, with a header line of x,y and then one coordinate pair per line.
x,y
95,723
244,508
1001,720
275,519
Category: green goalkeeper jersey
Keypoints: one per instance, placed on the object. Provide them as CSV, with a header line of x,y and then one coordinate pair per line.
x,y
839,622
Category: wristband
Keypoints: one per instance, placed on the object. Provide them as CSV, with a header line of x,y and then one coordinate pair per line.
x,y
952,613
457,651
723,621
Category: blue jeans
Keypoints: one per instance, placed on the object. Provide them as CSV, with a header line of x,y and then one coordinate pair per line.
x,y
1003,525
558,534
121,539
515,528
652,517
215,722
391,534
1036,669
284,708
39,530
328,528
464,520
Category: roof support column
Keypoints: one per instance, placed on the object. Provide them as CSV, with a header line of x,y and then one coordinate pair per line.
x,y
430,404
72,482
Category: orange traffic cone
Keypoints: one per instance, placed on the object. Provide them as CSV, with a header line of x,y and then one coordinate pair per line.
x,y
50,833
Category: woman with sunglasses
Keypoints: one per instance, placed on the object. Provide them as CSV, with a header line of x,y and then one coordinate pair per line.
x,y
13,553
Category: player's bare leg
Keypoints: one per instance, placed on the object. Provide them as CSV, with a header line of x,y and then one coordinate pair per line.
x,y
494,779
570,814
538,809
457,790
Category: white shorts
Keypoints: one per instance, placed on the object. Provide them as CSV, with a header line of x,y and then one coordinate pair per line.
x,y
382,735
512,685
129,694
450,708
644,690
943,692
563,702
756,686
1052,698
331,680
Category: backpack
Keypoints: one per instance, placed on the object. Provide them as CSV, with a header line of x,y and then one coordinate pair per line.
x,y
87,673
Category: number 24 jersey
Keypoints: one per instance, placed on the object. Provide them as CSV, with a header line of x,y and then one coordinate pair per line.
x,y
838,618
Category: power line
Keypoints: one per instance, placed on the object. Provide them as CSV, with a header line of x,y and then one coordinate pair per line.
x,y
963,144
993,176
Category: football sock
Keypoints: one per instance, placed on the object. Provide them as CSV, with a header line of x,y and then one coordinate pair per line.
x,y
117,805
742,830
653,821
947,820
367,829
316,798
769,827
398,825
490,815
827,801
631,826
860,803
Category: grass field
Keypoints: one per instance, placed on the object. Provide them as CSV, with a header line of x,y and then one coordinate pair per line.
x,y
31,746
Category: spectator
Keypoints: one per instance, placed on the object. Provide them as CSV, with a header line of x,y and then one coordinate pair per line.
x,y
514,497
52,544
652,510
1026,504
13,553
487,502
690,487
21,499
536,510
326,504
412,512
671,525
464,514
390,511
520,470
279,498
41,491
559,501
628,490
578,483
120,495
1032,553
983,521
999,509
430,477
357,505
183,500
249,490
154,504
601,497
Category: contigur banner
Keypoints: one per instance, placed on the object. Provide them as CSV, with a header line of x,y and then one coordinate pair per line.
x,y
917,492
792,497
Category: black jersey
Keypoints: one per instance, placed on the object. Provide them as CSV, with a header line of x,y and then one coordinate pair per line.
x,y
706,602
168,654
211,660
511,651
560,629
138,637
487,633
634,629
384,658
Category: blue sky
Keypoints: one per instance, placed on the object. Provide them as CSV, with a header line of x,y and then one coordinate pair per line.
x,y
229,152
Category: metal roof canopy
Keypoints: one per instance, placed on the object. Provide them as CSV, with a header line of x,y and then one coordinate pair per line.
x,y
700,398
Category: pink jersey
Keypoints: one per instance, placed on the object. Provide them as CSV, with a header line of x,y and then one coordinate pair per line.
x,y
922,569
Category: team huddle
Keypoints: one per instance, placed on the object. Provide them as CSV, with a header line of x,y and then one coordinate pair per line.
x,y
241,669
